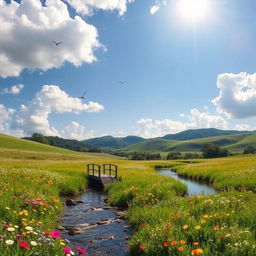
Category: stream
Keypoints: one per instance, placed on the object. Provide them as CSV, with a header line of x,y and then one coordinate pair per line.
x,y
94,226
194,187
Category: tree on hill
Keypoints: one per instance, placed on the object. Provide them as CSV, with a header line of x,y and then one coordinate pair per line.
x,y
211,150
250,150
38,137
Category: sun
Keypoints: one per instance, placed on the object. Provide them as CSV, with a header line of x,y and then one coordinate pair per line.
x,y
193,10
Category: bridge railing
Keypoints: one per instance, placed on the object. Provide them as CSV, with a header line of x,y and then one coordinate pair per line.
x,y
107,169
110,169
94,169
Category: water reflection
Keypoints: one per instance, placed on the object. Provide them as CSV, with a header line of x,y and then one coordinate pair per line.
x,y
194,187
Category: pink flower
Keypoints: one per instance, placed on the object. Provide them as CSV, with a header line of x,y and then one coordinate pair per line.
x,y
55,234
18,236
81,251
67,251
24,245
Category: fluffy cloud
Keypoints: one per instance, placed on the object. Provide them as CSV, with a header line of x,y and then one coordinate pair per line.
x,y
27,30
149,128
86,7
243,127
5,115
154,9
237,95
15,89
51,99
77,131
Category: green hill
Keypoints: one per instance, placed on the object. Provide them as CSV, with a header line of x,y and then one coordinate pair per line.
x,y
113,142
10,142
235,143
200,133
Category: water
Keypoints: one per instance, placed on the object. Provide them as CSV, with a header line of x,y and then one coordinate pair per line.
x,y
194,187
105,239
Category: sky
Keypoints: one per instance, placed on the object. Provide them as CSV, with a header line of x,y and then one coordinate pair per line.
x,y
185,64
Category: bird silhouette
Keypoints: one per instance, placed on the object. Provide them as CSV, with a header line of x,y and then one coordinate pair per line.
x,y
82,97
57,43
122,82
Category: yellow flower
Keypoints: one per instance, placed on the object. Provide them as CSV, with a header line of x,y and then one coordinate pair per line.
x,y
33,243
198,227
29,228
185,226
203,221
9,242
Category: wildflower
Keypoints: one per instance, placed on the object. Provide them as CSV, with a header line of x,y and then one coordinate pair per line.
x,y
55,234
203,221
142,246
197,251
81,251
182,241
216,227
24,245
67,250
174,243
9,242
165,244
185,226
19,236
33,243
180,249
47,233
143,225
198,227
28,228
11,229
196,243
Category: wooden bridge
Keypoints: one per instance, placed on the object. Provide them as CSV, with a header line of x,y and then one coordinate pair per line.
x,y
100,175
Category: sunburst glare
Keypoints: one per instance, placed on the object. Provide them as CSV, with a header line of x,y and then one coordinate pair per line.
x,y
193,10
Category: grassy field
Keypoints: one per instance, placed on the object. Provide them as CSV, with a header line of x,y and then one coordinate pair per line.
x,y
163,222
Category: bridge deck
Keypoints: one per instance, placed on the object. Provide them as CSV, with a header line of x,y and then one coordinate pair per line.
x,y
97,174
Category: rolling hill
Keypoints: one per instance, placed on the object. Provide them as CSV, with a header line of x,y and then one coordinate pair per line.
x,y
200,133
113,142
234,143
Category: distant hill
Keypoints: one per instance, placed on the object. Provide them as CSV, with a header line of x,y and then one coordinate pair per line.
x,y
200,133
234,143
113,142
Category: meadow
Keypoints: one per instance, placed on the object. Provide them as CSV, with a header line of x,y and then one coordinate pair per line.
x,y
164,222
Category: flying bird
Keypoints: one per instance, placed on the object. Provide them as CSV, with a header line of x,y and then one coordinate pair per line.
x,y
122,82
82,97
57,43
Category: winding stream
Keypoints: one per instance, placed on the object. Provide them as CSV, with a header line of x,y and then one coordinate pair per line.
x,y
194,187
94,226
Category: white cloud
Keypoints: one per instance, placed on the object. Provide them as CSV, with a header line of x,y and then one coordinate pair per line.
x,y
149,128
86,7
5,115
27,30
154,9
77,131
51,99
15,89
237,95
244,127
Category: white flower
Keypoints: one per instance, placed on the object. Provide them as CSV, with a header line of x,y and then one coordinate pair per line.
x,y
9,242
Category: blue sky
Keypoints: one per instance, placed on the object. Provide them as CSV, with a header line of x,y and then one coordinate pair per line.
x,y
180,72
